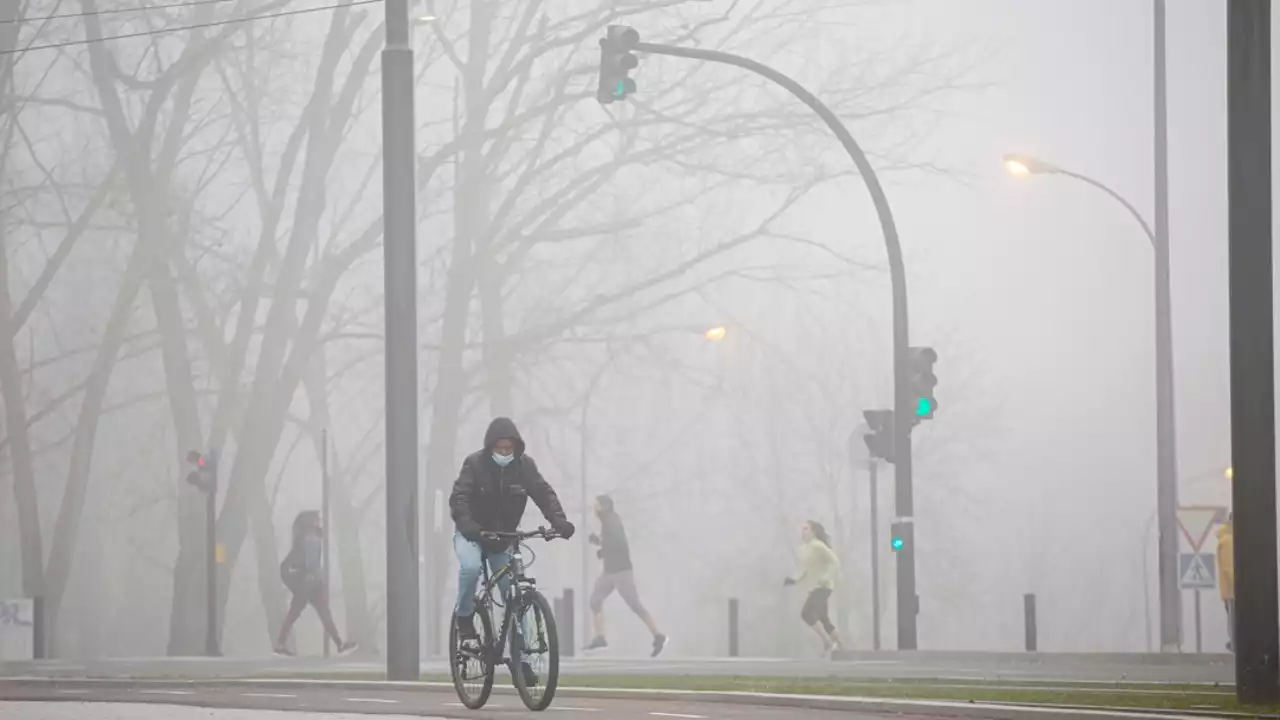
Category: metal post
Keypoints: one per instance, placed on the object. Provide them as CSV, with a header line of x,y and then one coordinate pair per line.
x,y
873,472
211,564
400,303
733,627
38,637
569,642
324,515
1166,434
1029,621
904,410
582,491
1253,421
1199,646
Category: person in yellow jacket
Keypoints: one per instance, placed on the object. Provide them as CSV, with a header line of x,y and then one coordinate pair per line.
x,y
1227,577
819,567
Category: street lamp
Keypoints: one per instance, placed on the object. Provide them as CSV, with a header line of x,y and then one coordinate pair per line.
x,y
715,334
1021,165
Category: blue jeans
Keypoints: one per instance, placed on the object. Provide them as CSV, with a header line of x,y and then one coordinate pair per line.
x,y
469,571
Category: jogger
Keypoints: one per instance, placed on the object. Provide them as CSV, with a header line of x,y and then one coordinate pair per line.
x,y
818,569
617,575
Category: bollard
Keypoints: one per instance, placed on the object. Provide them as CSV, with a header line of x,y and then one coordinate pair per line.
x,y
1029,618
733,627
38,650
567,627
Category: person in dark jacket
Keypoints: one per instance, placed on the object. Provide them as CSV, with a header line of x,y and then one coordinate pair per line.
x,y
303,573
616,574
490,494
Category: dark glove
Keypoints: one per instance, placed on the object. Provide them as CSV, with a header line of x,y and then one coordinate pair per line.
x,y
594,539
788,582
470,529
563,528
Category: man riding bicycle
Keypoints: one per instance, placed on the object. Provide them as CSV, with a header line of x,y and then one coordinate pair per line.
x,y
489,496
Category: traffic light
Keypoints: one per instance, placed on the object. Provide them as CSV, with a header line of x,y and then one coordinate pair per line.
x,y
616,62
202,471
921,381
897,538
879,439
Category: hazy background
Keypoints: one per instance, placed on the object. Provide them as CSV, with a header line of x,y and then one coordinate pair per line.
x,y
572,255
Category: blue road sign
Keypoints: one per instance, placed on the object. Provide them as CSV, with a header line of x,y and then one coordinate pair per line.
x,y
1197,571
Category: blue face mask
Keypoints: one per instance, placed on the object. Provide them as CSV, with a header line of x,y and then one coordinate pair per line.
x,y
503,460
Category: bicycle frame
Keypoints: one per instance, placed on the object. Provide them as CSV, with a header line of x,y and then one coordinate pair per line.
x,y
510,599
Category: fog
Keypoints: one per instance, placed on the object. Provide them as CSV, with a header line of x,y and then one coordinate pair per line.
x,y
192,259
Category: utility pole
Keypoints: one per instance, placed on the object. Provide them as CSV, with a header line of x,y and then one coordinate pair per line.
x,y
400,303
1166,425
1253,411
872,472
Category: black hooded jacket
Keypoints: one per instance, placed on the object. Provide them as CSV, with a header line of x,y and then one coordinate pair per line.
x,y
493,498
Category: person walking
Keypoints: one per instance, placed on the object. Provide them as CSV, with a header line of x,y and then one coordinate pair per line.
x,y
1227,577
302,572
617,574
819,567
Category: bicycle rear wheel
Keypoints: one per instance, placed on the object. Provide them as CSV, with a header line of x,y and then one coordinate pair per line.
x,y
535,651
471,666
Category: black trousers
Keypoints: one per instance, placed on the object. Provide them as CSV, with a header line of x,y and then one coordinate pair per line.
x,y
815,609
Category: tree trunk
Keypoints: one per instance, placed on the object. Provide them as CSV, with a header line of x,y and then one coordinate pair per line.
x,y
95,393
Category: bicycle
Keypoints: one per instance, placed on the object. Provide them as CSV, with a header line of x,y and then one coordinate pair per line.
x,y
519,599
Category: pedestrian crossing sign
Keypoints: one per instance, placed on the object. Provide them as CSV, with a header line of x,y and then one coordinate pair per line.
x,y
1196,571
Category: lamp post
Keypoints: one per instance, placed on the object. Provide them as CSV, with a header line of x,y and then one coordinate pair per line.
x,y
1022,165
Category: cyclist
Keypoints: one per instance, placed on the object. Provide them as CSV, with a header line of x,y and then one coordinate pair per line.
x,y
490,494
818,569
616,575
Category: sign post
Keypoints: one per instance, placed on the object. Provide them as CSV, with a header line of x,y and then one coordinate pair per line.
x,y
1196,569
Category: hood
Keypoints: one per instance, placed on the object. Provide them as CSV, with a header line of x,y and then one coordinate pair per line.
x,y
1224,531
503,428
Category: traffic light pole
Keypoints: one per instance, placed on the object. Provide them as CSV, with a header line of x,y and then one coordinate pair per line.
x,y
1253,416
400,305
872,472
903,410
211,565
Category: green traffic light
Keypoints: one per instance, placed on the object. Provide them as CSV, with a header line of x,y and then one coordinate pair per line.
x,y
620,90
897,544
924,407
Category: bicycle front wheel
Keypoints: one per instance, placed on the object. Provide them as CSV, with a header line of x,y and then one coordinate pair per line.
x,y
535,651
471,663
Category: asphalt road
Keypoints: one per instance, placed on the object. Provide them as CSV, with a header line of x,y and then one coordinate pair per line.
x,y
1166,669
16,699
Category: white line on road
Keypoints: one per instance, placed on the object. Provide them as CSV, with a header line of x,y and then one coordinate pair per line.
x,y
167,692
268,695
73,692
575,709
678,715
486,707
372,700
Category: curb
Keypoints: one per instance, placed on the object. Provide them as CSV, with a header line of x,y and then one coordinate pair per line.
x,y
1041,658
866,705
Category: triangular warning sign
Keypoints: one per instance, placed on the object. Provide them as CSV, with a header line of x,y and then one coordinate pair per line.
x,y
1196,521
1197,573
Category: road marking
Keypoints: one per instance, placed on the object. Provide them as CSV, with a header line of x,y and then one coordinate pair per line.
x,y
167,692
268,695
73,692
490,706
576,709
372,700
678,715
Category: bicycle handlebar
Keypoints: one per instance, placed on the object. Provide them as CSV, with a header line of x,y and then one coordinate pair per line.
x,y
542,532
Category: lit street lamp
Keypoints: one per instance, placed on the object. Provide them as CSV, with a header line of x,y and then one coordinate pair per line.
x,y
1022,165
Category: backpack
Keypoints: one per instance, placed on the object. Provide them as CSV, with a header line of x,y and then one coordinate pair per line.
x,y
291,570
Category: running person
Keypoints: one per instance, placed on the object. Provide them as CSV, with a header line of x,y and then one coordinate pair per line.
x,y
616,575
490,495
303,573
819,567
